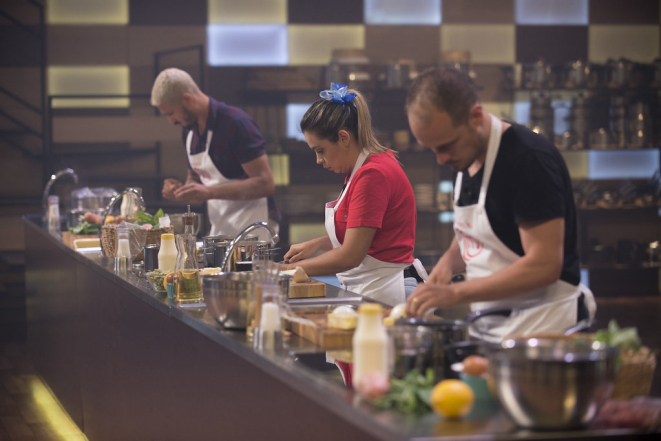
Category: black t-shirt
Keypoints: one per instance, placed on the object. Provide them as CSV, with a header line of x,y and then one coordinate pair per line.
x,y
529,182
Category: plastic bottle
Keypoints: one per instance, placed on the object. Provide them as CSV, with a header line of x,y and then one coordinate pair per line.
x,y
167,255
370,342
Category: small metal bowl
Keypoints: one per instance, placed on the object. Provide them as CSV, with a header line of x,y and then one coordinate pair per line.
x,y
553,383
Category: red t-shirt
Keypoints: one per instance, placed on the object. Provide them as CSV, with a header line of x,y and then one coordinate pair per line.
x,y
380,196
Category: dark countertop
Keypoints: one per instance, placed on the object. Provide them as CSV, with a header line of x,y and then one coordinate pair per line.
x,y
321,385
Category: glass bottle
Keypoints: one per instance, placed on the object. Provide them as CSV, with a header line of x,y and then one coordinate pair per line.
x,y
131,204
54,214
187,271
370,342
122,259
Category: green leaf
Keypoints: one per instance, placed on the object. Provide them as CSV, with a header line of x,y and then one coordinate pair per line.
x,y
159,214
145,216
425,395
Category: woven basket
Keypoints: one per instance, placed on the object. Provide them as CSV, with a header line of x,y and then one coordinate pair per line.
x,y
153,236
634,378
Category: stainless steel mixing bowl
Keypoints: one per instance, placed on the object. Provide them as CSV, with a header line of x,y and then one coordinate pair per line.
x,y
553,383
228,296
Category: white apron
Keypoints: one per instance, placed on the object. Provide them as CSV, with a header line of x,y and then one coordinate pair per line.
x,y
551,308
382,281
226,217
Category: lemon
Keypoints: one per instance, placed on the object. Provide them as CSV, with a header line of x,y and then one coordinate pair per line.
x,y
452,398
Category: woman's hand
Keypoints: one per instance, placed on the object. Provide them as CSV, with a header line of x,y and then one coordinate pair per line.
x,y
429,295
300,251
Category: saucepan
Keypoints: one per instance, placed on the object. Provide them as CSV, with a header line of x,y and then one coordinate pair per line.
x,y
447,332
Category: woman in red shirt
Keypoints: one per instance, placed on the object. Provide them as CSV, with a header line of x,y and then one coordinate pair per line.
x,y
371,226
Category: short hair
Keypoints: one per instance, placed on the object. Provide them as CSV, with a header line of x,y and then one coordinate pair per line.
x,y
447,89
170,85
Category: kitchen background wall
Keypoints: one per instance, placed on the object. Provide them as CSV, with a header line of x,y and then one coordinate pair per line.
x,y
270,57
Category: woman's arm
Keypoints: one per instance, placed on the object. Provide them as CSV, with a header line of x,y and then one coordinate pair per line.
x,y
357,242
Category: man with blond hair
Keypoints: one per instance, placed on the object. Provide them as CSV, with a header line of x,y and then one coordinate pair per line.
x,y
227,164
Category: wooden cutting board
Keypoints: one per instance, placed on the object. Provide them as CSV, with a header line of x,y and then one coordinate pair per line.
x,y
315,329
318,332
313,288
68,238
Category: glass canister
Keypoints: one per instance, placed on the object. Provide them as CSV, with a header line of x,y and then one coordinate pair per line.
x,y
187,272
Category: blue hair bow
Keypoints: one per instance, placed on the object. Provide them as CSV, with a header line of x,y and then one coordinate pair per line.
x,y
338,92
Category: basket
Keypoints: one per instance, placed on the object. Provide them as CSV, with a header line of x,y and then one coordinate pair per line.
x,y
153,236
634,378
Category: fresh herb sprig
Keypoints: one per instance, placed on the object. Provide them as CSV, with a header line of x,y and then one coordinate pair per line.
x,y
146,218
412,394
622,338
85,228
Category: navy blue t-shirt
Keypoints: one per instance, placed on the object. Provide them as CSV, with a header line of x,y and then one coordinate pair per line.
x,y
235,141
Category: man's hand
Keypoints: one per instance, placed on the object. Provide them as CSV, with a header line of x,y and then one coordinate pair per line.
x,y
169,187
428,295
193,192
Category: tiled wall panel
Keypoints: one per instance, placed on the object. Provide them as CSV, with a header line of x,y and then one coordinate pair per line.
x,y
486,43
325,12
637,43
624,12
168,12
313,45
144,41
477,11
247,11
87,45
86,12
555,44
420,43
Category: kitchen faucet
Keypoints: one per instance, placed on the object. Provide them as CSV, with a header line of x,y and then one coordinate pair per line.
x,y
111,204
232,246
49,184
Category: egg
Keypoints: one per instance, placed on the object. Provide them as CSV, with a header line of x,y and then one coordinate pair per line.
x,y
475,365
398,311
344,310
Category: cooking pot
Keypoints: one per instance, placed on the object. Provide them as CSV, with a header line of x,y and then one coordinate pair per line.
x,y
447,332
209,243
244,252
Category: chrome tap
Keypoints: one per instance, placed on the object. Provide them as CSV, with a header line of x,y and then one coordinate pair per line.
x,y
112,204
232,246
49,184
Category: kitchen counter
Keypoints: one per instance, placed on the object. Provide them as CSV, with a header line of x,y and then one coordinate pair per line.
x,y
126,364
